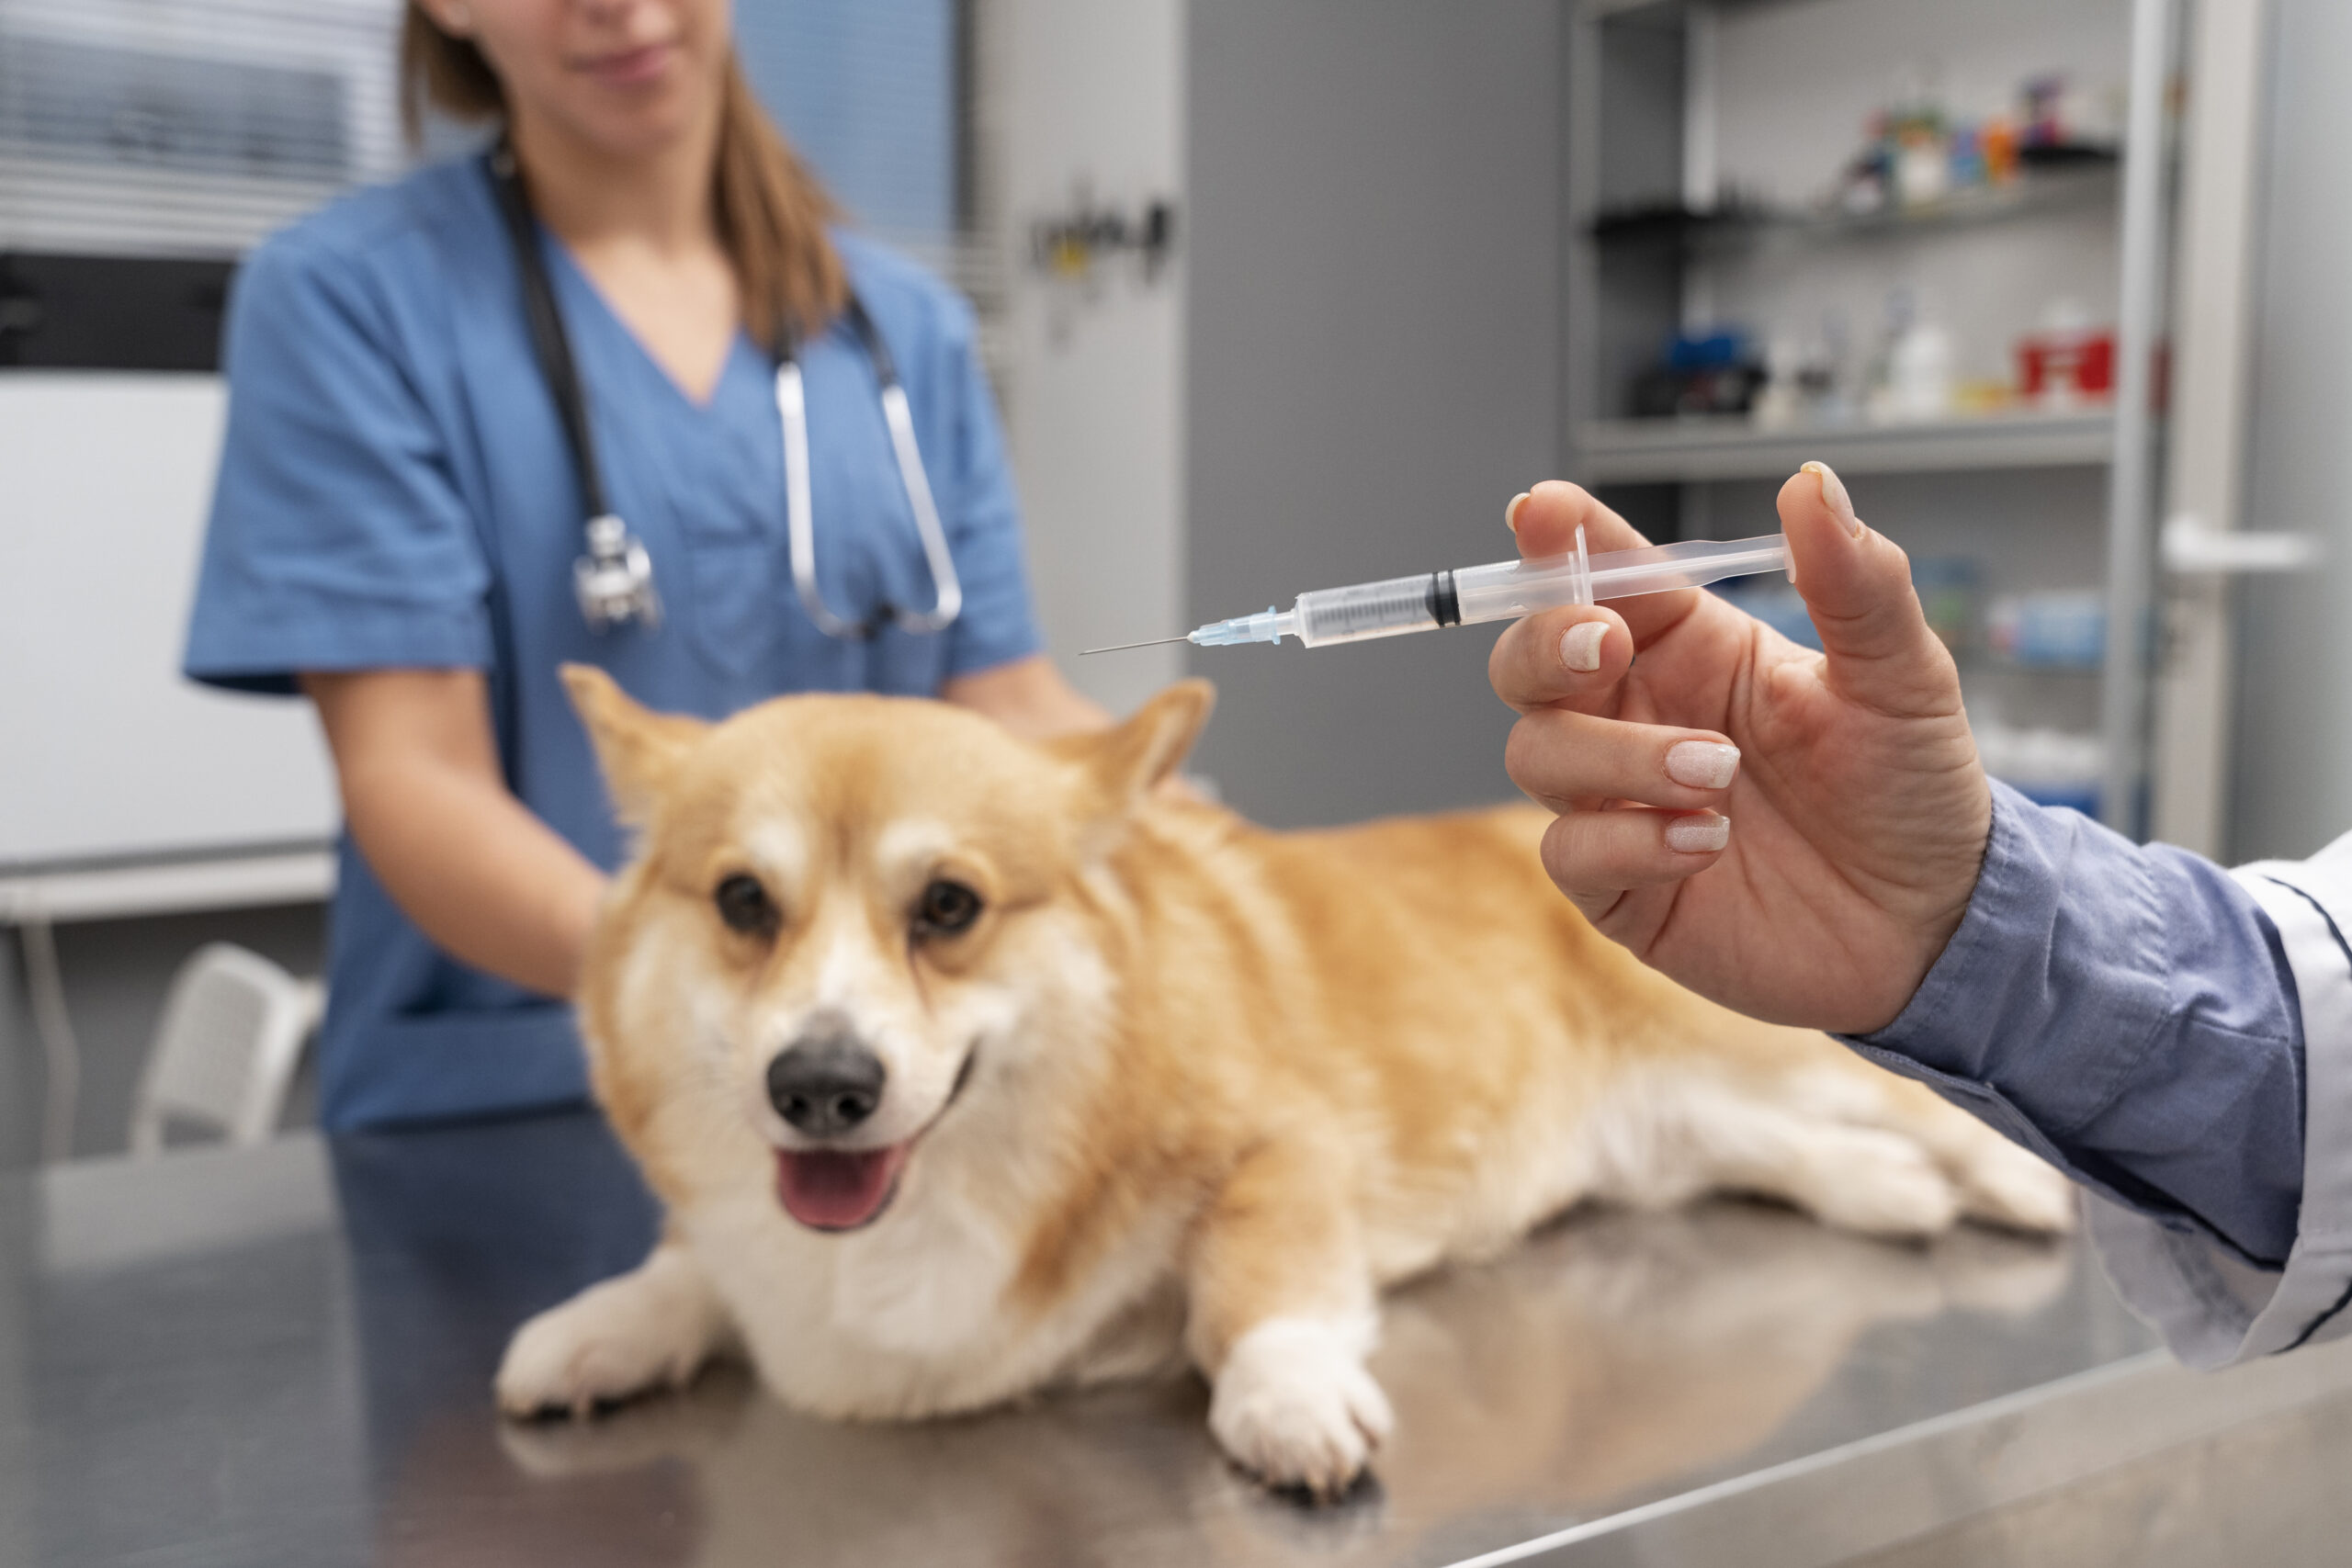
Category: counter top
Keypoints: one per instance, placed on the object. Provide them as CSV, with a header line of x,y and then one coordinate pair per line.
x,y
283,1357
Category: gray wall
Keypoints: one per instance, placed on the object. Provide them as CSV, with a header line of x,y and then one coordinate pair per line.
x,y
1374,360
2292,789
117,973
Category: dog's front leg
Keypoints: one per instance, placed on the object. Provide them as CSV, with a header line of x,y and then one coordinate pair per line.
x,y
1282,1317
651,1328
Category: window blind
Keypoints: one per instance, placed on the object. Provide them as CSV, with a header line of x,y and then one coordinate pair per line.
x,y
186,127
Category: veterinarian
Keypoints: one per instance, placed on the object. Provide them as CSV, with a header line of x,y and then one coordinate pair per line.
x,y
620,391
2175,1036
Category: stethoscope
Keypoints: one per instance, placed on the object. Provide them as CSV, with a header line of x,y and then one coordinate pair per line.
x,y
614,579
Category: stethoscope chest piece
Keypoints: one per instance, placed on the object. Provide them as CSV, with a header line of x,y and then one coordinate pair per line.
x,y
615,578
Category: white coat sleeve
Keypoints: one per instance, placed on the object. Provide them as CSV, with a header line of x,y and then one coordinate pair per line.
x,y
2212,1308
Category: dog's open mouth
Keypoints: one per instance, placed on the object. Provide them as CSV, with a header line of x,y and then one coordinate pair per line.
x,y
838,1190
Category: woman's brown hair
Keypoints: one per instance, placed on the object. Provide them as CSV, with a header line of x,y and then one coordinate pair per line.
x,y
770,209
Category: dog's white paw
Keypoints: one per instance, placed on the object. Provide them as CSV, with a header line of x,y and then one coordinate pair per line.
x,y
2006,1185
625,1336
1879,1184
1295,1406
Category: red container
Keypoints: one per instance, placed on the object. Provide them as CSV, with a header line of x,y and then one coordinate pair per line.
x,y
2062,368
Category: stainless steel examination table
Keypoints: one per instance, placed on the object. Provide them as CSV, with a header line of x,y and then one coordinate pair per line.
x,y
284,1358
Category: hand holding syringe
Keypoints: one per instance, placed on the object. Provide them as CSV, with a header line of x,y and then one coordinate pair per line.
x,y
1839,788
1502,592
1815,879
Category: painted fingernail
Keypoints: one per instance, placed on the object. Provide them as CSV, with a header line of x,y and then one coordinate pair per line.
x,y
1834,496
1580,646
1697,835
1511,513
1701,764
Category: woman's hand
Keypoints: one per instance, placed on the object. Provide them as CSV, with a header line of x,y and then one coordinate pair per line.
x,y
1791,834
1029,697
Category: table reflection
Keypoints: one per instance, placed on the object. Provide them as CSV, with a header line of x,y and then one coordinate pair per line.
x,y
284,1358
1615,1356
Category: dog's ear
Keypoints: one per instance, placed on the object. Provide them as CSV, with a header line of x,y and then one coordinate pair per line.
x,y
637,748
1128,762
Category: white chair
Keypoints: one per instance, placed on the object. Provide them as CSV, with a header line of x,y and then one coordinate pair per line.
x,y
225,1052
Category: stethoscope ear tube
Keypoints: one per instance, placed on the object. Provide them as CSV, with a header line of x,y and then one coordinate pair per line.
x,y
548,341
612,578
800,533
792,413
949,603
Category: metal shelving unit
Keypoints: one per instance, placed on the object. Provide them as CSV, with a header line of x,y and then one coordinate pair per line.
x,y
1652,451
2054,190
1612,303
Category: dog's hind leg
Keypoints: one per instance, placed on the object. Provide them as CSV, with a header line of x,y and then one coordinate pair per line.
x,y
651,1328
1667,1139
1281,1316
1999,1182
1825,1130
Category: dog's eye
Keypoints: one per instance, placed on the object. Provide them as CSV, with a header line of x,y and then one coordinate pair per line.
x,y
744,905
946,908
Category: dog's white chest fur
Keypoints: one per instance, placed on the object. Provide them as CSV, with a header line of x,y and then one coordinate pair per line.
x,y
917,1315
926,1283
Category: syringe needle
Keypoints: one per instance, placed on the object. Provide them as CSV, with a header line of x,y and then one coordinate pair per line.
x,y
1123,646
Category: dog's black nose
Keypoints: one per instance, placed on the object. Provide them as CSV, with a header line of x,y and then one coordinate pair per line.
x,y
825,1083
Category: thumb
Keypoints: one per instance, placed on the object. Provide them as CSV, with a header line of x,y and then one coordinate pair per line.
x,y
1856,584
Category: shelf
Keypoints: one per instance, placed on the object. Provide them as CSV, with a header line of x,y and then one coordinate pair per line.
x,y
2062,189
1627,451
1613,10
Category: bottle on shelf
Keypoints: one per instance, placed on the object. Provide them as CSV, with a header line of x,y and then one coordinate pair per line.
x,y
1914,383
2065,362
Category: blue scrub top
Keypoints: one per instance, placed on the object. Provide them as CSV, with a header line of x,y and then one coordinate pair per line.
x,y
395,492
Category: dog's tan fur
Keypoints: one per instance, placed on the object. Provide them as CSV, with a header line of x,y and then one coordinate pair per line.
x,y
1225,1083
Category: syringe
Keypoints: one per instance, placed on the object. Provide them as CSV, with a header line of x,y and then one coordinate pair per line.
x,y
1502,592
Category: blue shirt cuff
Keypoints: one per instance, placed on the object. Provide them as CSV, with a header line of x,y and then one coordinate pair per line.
x,y
2126,1013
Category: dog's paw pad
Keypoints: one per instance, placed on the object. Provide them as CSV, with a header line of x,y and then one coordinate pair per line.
x,y
2007,1186
1295,1406
604,1346
1881,1184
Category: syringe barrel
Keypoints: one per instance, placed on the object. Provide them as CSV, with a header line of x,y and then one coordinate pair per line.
x,y
1694,563
1363,611
1509,589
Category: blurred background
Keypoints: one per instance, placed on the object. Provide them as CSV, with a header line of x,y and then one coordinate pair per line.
x,y
1279,294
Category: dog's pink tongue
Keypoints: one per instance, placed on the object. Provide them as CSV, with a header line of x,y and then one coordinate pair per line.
x,y
837,1190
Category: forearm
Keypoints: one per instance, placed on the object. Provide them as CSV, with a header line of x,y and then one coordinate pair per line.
x,y
426,801
1029,697
487,880
2128,1011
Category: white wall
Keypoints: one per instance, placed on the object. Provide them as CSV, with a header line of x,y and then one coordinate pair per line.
x,y
105,482
1373,368
1092,96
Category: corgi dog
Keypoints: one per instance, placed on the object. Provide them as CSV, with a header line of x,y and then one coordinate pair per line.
x,y
966,1068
